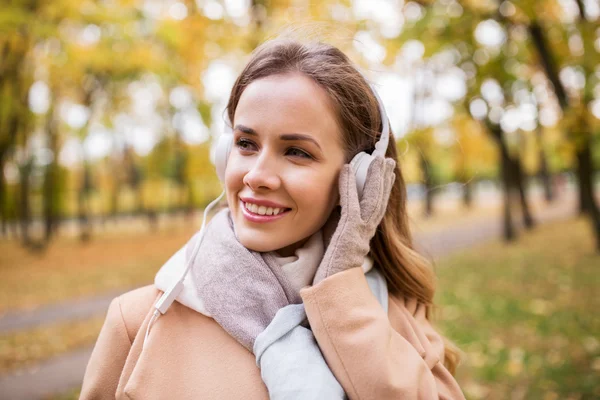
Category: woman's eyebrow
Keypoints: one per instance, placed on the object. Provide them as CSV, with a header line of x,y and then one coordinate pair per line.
x,y
245,129
299,136
286,136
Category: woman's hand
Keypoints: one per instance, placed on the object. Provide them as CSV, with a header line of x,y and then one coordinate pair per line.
x,y
359,219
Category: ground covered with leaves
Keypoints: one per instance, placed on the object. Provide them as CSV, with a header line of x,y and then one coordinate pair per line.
x,y
70,269
526,315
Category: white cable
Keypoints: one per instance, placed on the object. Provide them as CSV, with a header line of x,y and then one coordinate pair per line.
x,y
165,301
154,317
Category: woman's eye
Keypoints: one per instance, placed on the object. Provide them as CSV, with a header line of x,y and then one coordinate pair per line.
x,y
295,152
245,144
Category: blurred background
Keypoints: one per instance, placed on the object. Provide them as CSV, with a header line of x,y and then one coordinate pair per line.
x,y
109,110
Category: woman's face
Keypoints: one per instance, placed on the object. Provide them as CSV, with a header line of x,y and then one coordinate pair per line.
x,y
282,173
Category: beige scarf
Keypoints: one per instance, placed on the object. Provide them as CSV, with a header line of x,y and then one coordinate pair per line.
x,y
298,269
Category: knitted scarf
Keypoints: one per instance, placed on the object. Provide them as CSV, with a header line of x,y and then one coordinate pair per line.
x,y
221,245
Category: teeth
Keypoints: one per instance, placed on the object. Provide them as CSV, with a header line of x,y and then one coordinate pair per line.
x,y
262,210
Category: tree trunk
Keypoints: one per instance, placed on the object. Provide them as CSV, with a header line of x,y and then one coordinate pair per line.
x,y
585,177
117,162
546,180
468,194
48,199
116,188
585,174
505,165
519,182
508,228
152,220
584,155
9,143
83,218
509,231
136,185
541,44
50,178
587,200
425,167
114,199
24,209
543,173
3,215
82,204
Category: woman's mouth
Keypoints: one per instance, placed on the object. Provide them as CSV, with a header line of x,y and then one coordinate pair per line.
x,y
256,213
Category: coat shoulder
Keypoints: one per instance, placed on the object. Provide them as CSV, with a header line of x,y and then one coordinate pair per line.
x,y
135,305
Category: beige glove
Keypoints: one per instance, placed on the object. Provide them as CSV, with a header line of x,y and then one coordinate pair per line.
x,y
358,219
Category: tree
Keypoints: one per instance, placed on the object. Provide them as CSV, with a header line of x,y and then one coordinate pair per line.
x,y
576,107
454,33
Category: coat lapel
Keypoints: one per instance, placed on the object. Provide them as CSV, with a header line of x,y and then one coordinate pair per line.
x,y
184,346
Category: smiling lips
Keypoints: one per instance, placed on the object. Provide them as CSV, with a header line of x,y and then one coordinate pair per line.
x,y
262,212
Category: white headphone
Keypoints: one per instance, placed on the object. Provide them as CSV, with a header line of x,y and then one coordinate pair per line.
x,y
360,163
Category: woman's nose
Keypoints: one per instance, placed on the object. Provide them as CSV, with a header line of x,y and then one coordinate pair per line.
x,y
263,174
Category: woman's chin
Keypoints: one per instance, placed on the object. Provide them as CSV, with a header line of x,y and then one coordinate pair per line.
x,y
283,249
258,244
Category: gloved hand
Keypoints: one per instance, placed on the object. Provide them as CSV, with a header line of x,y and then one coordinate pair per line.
x,y
358,220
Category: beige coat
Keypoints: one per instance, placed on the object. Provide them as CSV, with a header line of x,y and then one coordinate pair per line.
x,y
189,356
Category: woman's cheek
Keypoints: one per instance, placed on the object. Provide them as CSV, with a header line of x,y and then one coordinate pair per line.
x,y
327,183
317,189
234,174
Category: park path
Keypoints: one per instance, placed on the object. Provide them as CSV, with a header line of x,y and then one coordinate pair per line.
x,y
64,372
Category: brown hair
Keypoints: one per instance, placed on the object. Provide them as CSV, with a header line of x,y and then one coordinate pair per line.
x,y
405,270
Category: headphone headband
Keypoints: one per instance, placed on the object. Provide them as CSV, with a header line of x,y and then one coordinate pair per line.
x,y
382,143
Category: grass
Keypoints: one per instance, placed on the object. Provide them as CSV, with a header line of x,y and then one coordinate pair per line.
x,y
526,315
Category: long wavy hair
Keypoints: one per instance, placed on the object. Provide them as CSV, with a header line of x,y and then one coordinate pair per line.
x,y
407,272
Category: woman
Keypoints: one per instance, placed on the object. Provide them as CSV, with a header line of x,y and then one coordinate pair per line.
x,y
306,285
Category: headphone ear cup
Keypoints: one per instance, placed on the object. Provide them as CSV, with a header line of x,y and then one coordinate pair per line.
x,y
222,154
360,165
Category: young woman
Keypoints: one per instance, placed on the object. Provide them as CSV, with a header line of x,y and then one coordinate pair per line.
x,y
307,285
